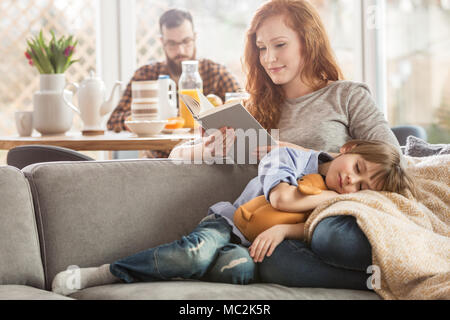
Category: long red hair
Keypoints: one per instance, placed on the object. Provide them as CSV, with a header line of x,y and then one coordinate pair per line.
x,y
320,66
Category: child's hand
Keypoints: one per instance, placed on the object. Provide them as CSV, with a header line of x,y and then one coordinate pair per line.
x,y
266,242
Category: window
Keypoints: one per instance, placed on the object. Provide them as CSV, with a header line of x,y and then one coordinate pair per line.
x,y
418,65
339,18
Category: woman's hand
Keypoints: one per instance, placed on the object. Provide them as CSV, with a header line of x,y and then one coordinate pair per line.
x,y
266,242
261,151
219,143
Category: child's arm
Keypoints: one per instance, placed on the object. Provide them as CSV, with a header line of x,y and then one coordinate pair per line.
x,y
286,197
281,168
266,242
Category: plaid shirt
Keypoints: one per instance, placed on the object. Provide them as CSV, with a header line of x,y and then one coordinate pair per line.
x,y
216,79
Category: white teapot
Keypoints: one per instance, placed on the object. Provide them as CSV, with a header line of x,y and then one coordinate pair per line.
x,y
92,103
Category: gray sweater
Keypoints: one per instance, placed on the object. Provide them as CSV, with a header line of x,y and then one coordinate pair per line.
x,y
327,118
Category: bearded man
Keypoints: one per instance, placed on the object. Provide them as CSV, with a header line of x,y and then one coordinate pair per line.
x,y
178,40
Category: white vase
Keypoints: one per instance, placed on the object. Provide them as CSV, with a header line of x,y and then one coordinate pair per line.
x,y
51,115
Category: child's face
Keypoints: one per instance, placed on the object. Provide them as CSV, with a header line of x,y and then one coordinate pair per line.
x,y
351,173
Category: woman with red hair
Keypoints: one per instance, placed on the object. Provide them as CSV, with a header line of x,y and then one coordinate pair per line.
x,y
297,88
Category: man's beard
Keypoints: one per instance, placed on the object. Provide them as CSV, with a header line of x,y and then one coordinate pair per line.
x,y
174,65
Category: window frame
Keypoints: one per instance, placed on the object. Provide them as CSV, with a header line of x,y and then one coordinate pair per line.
x,y
372,53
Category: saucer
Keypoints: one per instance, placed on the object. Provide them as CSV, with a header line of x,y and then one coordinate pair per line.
x,y
144,128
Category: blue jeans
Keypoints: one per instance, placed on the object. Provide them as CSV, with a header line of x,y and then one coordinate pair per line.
x,y
205,254
338,258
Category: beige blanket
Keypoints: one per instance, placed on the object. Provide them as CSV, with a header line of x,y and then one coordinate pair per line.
x,y
410,239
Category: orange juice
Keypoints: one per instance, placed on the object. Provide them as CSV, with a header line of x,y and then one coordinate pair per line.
x,y
189,121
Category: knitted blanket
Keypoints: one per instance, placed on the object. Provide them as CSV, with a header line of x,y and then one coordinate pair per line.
x,y
410,238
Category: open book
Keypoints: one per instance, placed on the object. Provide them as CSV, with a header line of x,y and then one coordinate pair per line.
x,y
248,130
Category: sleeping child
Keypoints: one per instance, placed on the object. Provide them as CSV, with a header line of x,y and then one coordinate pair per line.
x,y
216,250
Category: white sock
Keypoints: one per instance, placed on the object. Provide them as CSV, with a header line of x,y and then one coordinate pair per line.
x,y
75,279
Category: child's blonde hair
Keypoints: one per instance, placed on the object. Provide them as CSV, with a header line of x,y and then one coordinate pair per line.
x,y
392,172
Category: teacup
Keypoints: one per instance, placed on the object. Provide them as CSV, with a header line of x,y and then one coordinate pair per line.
x,y
24,122
145,100
145,111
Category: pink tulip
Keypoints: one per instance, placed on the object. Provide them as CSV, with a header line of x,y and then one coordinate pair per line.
x,y
30,62
27,55
68,51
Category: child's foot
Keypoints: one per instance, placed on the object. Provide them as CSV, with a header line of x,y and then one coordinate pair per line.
x,y
75,279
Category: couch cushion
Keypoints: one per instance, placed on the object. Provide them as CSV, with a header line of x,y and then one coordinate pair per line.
x,y
20,259
91,213
199,290
17,292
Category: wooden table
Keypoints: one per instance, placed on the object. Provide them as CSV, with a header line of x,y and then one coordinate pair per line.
x,y
108,142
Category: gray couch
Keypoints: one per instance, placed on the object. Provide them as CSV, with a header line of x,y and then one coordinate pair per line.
x,y
54,215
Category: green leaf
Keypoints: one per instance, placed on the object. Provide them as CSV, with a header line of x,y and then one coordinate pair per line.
x,y
36,62
35,55
42,53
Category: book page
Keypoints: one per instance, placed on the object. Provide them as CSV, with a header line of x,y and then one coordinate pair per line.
x,y
204,103
197,108
192,104
217,109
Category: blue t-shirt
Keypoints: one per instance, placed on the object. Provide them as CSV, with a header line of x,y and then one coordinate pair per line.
x,y
280,165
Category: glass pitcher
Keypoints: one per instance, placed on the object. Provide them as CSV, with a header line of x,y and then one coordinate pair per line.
x,y
190,81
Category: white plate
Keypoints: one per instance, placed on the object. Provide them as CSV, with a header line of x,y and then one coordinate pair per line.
x,y
177,131
144,128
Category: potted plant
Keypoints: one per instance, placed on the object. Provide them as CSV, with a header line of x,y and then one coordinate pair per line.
x,y
52,59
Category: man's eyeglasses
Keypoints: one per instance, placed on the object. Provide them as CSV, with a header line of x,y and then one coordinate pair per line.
x,y
172,45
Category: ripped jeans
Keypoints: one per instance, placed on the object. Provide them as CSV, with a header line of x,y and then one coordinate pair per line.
x,y
205,254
